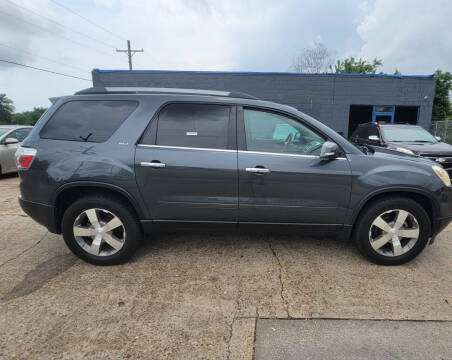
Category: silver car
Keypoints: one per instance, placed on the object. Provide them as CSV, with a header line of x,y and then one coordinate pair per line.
x,y
10,138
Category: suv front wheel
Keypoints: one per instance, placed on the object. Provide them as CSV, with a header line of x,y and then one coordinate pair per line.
x,y
392,231
100,230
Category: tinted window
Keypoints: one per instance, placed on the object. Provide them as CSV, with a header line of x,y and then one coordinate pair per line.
x,y
269,132
193,125
19,134
364,132
93,121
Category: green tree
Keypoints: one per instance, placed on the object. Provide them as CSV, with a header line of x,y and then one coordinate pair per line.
x,y
357,66
28,117
6,109
442,108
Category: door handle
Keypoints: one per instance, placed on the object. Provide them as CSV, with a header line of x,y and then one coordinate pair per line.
x,y
153,164
258,170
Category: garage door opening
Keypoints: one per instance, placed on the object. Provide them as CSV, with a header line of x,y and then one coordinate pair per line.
x,y
360,114
406,114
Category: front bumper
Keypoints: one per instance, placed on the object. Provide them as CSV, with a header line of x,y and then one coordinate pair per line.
x,y
444,215
439,225
41,213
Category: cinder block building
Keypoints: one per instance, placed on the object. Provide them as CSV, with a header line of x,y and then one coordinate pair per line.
x,y
341,101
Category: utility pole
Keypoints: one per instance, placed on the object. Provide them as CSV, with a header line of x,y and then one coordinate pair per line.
x,y
130,53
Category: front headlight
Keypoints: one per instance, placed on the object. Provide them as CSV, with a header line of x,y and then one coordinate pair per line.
x,y
442,174
403,150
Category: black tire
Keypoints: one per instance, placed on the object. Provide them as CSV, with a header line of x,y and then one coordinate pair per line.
x,y
114,205
375,209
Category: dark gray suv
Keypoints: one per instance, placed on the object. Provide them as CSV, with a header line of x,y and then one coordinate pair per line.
x,y
108,165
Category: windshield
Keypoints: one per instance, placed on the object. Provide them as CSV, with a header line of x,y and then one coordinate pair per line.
x,y
407,134
3,131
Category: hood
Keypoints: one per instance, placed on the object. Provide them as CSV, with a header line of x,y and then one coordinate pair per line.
x,y
397,155
425,148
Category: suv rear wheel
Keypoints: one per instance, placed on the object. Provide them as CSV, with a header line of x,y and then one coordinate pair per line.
x,y
101,230
392,231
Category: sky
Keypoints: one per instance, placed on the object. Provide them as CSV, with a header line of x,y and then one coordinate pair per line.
x,y
75,36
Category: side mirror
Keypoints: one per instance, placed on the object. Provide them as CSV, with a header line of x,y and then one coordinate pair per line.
x,y
329,151
10,141
374,138
438,138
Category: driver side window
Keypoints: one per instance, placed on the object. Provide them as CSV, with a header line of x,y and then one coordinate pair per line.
x,y
274,133
20,134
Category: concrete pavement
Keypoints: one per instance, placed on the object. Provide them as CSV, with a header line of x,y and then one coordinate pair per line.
x,y
353,339
194,296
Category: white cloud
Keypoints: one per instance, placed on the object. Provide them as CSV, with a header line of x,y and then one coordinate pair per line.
x,y
30,39
235,35
180,34
412,36
253,35
18,29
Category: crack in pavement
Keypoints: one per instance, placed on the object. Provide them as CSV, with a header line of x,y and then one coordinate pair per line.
x,y
24,251
256,315
230,336
284,300
231,327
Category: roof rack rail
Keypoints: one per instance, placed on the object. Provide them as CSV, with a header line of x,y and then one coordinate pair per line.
x,y
155,90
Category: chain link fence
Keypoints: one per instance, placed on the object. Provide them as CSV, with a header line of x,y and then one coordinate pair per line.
x,y
443,129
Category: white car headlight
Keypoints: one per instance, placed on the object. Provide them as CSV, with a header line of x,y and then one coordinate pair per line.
x,y
403,150
442,174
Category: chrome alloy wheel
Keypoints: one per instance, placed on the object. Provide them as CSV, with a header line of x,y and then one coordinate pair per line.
x,y
394,232
99,232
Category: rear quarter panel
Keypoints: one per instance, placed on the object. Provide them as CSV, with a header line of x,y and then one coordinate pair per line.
x,y
60,163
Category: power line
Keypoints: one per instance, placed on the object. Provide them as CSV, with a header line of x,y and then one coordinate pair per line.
x,y
41,57
86,19
40,69
60,24
62,36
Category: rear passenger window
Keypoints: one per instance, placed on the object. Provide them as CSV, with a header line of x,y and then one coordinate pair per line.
x,y
91,120
193,125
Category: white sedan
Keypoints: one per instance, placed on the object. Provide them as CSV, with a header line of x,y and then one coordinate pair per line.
x,y
10,138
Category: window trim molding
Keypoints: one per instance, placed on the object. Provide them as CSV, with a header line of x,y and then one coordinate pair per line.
x,y
286,154
184,148
163,147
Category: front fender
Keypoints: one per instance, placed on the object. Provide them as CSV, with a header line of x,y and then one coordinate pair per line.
x,y
373,176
